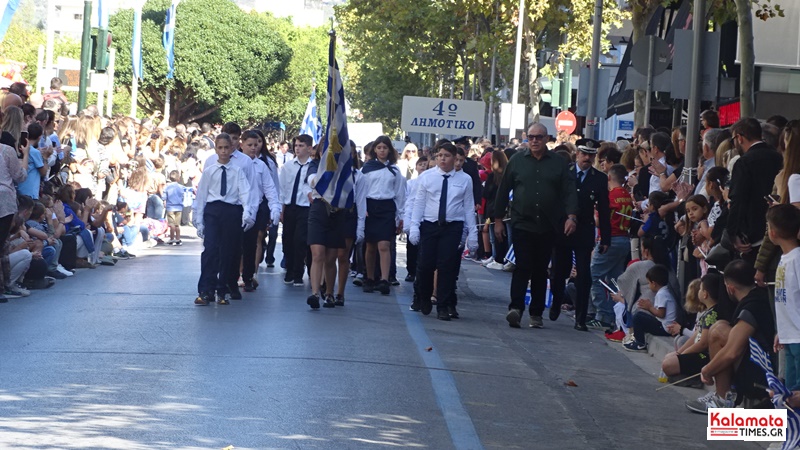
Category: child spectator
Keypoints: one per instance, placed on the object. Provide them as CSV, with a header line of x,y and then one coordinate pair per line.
x,y
37,229
655,225
706,297
783,225
655,315
173,198
36,166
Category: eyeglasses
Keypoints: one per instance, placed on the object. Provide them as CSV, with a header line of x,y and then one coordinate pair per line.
x,y
536,137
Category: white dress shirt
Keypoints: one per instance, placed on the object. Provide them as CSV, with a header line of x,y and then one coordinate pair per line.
x,y
411,194
283,158
243,162
288,173
460,202
264,186
209,190
382,184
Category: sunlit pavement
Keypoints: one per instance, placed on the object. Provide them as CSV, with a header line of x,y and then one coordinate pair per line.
x,y
119,357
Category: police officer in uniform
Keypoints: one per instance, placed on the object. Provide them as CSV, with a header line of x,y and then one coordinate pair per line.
x,y
592,186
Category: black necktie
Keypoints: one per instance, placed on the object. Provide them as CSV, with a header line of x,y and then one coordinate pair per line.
x,y
580,176
223,182
443,202
296,186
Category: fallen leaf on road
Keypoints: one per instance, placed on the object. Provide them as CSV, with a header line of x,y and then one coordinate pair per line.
x,y
429,349
230,447
571,383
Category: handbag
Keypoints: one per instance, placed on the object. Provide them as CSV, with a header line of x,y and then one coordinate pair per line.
x,y
718,256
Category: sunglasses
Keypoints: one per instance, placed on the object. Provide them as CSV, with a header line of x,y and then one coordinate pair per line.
x,y
536,137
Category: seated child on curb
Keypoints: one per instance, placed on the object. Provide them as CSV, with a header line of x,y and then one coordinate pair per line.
x,y
653,316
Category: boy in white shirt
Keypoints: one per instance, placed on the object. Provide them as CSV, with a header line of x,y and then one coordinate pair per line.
x,y
783,225
653,316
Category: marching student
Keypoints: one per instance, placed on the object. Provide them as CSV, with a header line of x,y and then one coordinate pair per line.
x,y
294,190
266,193
443,209
268,237
221,210
243,162
349,227
412,251
380,197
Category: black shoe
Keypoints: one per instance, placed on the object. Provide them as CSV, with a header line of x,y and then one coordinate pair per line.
x,y
416,306
297,283
581,327
513,317
3,299
555,311
442,314
287,281
410,278
339,300
313,301
453,312
393,281
426,307
270,265
383,287
222,300
249,286
204,299
329,302
56,274
234,293
369,285
358,281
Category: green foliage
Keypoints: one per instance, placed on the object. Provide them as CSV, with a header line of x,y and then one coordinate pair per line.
x,y
224,58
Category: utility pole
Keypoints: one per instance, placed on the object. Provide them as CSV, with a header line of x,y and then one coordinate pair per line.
x,y
517,62
86,53
591,109
693,125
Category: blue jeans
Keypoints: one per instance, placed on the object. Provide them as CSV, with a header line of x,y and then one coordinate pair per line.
x,y
49,255
792,366
610,264
645,323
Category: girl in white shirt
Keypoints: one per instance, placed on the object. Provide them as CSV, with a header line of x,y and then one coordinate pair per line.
x,y
380,192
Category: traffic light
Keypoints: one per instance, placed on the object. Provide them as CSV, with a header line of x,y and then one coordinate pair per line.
x,y
551,90
101,42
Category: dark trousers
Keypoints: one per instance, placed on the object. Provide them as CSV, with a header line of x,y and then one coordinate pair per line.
x,y
249,242
532,252
438,251
562,266
295,235
222,245
272,239
69,251
412,252
645,323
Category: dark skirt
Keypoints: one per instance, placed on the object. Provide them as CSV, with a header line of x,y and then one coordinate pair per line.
x,y
324,227
380,223
262,215
350,223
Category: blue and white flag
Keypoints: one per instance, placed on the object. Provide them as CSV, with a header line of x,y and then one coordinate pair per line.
x,y
136,46
780,395
311,125
8,8
335,172
102,14
168,40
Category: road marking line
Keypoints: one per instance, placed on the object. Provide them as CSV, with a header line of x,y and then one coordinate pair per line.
x,y
459,424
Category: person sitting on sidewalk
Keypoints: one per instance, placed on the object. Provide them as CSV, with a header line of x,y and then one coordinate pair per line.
x,y
655,315
729,345
705,296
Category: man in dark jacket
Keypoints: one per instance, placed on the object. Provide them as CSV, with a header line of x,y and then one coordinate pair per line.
x,y
592,187
751,180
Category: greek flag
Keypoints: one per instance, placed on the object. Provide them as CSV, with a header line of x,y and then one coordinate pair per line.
x,y
311,125
335,172
168,41
102,14
510,255
781,394
8,8
136,46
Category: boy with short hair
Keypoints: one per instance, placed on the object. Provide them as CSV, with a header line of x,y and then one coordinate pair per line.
x,y
173,200
783,226
653,316
294,189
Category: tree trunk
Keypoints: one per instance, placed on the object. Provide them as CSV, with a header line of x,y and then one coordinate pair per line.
x,y
744,15
533,70
639,19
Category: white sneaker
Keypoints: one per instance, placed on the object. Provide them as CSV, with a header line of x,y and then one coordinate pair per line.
x,y
486,261
711,400
509,267
494,265
64,271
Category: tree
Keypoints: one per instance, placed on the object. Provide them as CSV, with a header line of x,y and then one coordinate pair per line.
x,y
224,58
744,17
641,10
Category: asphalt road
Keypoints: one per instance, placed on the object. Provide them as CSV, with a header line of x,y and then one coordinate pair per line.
x,y
119,357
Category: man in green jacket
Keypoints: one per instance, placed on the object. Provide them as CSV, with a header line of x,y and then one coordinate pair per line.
x,y
545,201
